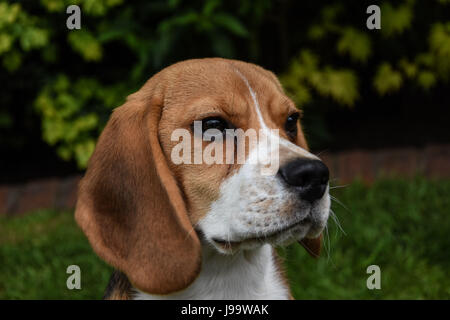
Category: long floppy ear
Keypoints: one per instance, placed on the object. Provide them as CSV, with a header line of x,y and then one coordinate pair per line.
x,y
313,246
130,207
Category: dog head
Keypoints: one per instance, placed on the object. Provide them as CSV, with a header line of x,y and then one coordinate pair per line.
x,y
151,191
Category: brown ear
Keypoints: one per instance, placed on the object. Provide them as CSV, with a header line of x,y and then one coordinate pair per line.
x,y
130,207
312,245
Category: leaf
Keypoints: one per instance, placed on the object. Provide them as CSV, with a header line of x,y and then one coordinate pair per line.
x,y
84,42
54,5
408,68
355,43
210,6
231,24
387,79
184,19
5,42
340,85
395,21
33,38
426,79
9,13
439,41
83,152
98,7
425,59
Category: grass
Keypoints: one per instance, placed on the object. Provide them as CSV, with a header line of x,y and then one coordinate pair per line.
x,y
35,251
402,226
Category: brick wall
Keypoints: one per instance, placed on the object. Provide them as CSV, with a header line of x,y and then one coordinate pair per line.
x,y
57,193
432,161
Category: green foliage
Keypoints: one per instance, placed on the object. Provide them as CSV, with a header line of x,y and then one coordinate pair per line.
x,y
19,32
355,43
73,79
386,79
396,20
36,250
402,226
91,7
305,72
440,48
389,224
425,69
65,122
86,44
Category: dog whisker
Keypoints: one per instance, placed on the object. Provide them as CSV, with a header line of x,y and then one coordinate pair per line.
x,y
339,202
327,243
336,187
336,220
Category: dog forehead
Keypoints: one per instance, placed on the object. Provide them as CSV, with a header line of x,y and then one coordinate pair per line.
x,y
201,77
225,84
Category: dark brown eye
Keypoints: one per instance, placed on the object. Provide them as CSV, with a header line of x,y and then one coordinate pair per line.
x,y
214,123
210,128
291,125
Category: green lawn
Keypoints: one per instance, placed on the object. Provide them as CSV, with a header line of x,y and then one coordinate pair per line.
x,y
403,226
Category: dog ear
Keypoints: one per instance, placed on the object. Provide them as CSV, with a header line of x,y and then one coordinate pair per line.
x,y
130,207
313,246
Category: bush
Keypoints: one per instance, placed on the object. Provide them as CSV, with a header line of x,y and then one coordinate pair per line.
x,y
69,81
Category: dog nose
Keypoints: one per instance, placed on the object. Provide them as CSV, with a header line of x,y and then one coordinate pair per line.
x,y
309,176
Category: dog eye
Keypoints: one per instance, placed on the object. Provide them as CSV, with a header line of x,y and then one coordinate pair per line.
x,y
291,125
214,123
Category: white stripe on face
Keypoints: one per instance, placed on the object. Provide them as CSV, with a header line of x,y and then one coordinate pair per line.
x,y
288,144
255,101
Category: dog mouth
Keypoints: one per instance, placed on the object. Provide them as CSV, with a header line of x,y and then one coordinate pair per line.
x,y
269,237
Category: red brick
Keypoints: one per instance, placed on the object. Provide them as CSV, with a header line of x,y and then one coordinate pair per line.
x,y
67,192
355,164
330,160
4,192
404,162
39,194
438,161
11,195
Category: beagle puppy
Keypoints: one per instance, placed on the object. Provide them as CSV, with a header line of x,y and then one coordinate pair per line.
x,y
197,230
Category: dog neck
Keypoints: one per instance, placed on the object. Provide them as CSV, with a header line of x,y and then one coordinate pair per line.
x,y
251,274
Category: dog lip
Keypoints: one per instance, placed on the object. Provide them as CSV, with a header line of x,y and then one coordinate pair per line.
x,y
229,244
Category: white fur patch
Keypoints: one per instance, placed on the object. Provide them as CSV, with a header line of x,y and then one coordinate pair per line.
x,y
244,276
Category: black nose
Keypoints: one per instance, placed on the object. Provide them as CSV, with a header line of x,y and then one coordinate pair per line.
x,y
309,176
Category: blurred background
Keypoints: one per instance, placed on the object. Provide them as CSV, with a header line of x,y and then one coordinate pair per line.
x,y
375,104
